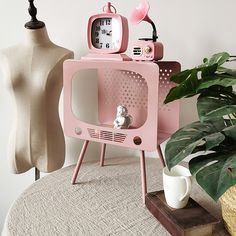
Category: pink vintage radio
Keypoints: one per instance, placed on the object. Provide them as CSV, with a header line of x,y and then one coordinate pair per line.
x,y
139,86
146,49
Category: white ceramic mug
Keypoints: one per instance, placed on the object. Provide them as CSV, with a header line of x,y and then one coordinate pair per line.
x,y
177,186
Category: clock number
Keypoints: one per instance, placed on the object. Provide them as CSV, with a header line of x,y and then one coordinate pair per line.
x,y
107,45
101,45
98,28
108,22
97,40
101,22
96,34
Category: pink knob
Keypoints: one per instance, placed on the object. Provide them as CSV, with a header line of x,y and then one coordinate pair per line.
x,y
108,8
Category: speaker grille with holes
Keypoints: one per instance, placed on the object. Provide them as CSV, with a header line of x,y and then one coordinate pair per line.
x,y
106,135
137,51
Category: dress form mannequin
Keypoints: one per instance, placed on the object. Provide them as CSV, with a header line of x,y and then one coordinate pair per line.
x,y
33,71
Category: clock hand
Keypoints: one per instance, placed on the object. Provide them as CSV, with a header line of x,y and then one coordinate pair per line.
x,y
109,33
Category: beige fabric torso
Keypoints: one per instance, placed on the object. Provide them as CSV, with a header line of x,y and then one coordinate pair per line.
x,y
34,75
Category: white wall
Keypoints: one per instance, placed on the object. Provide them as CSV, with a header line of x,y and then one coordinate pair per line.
x,y
189,29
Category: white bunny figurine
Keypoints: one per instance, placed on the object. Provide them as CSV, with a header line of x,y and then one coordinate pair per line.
x,y
123,120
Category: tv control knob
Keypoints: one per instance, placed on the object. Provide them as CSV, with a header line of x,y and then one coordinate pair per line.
x,y
147,49
78,131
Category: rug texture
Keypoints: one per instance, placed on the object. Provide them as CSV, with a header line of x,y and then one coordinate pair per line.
x,y
105,201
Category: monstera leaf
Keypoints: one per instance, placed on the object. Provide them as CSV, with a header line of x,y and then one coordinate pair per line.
x,y
227,71
215,172
194,81
186,88
209,67
213,80
216,103
218,58
230,132
194,137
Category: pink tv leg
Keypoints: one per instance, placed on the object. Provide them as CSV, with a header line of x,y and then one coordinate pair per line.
x,y
143,175
103,151
161,156
81,157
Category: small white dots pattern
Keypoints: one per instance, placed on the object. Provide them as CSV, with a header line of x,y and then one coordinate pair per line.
x,y
164,87
125,87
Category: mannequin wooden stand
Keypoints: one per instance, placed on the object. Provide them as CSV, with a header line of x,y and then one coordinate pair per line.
x,y
36,174
193,220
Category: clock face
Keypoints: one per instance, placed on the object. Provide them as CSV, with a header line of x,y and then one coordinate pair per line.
x,y
106,33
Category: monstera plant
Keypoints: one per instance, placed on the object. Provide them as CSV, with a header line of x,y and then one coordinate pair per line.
x,y
213,138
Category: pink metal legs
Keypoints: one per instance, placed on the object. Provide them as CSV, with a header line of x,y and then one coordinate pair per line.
x,y
143,170
103,151
143,175
102,157
81,157
161,156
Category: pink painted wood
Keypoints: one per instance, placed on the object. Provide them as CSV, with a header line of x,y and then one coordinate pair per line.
x,y
143,175
103,151
80,160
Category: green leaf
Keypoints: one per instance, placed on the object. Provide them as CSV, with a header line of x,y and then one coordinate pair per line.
x,y
213,140
216,103
220,112
186,74
209,70
191,82
227,71
186,88
219,58
220,80
182,76
230,132
186,140
215,172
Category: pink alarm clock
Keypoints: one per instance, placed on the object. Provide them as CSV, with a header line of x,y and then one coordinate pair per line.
x,y
108,32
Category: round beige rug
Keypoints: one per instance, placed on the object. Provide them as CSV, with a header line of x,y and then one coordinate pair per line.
x,y
106,201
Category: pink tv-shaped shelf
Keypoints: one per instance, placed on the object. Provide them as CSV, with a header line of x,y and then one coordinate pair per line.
x,y
141,87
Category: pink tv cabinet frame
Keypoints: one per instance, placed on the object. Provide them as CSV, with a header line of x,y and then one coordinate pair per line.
x,y
142,88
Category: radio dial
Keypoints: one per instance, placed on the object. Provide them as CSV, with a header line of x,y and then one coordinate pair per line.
x,y
147,49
